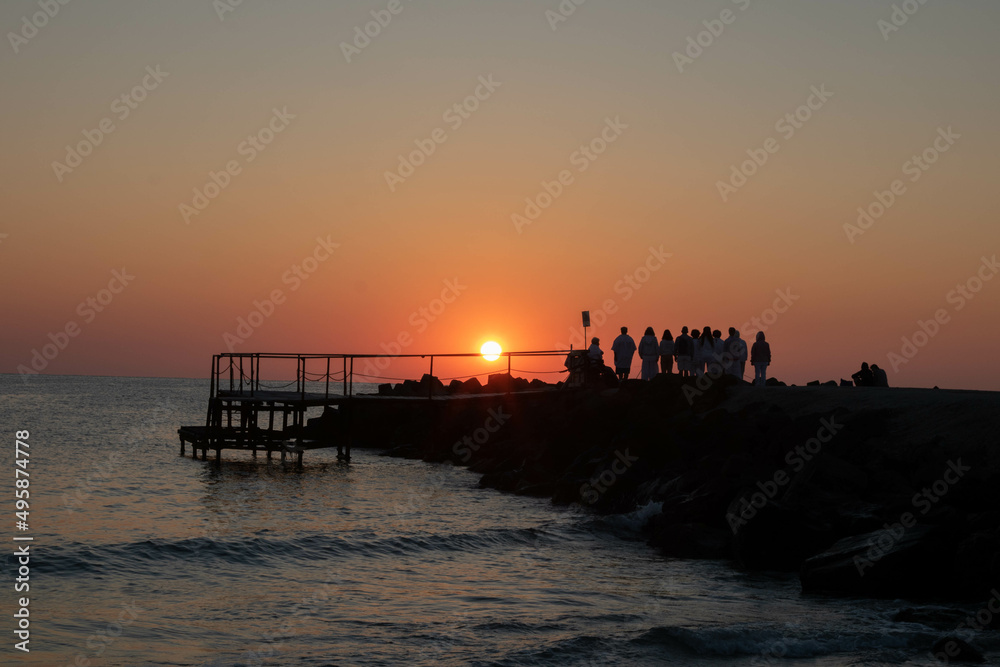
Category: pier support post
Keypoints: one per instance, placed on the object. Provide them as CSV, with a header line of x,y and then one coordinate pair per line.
x,y
299,461
218,456
182,446
269,454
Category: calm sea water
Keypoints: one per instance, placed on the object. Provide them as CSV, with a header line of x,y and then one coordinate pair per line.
x,y
142,557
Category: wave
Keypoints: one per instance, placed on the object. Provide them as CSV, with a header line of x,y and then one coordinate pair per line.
x,y
772,642
75,558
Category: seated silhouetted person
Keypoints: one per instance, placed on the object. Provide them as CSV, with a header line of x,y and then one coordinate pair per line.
x,y
879,377
864,377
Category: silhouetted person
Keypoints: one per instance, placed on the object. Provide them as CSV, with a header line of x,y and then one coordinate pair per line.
x,y
864,377
667,353
705,351
880,379
624,349
684,351
728,356
649,352
717,363
760,359
594,352
737,351
695,352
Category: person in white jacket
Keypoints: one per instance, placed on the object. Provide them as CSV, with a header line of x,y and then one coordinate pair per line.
x,y
704,351
649,352
624,350
667,352
739,353
595,352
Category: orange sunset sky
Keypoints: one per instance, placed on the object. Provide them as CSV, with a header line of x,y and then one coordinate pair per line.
x,y
690,160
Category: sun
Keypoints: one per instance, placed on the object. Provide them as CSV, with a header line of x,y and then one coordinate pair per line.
x,y
490,351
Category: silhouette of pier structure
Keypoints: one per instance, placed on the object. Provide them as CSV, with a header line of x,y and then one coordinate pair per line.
x,y
248,413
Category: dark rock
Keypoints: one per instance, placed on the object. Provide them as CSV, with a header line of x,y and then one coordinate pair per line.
x,y
814,383
431,386
950,649
975,561
775,382
893,562
830,383
499,383
455,387
776,537
691,540
472,386
385,389
846,383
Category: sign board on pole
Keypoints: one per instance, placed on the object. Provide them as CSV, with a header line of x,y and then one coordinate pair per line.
x,y
586,318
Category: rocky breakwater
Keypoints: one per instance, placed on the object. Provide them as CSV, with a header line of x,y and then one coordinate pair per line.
x,y
864,491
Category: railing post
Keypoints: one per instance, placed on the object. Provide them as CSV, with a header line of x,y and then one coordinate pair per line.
x,y
303,384
510,378
430,383
328,377
350,385
345,376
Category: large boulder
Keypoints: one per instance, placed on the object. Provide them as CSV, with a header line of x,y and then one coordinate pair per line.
x,y
690,540
893,562
776,537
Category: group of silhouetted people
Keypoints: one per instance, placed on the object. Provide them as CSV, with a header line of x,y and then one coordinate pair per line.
x,y
870,377
697,354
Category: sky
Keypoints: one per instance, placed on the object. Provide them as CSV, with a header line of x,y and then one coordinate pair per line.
x,y
192,177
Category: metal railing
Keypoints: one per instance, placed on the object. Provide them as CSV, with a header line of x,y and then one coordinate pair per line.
x,y
244,374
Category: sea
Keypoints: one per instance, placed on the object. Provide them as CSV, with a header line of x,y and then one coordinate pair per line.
x,y
142,557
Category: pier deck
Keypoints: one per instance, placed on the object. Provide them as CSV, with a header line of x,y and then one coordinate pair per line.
x,y
249,416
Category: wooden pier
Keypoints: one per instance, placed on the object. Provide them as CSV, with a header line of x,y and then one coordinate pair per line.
x,y
246,414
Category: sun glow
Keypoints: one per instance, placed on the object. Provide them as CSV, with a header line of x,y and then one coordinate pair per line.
x,y
490,351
